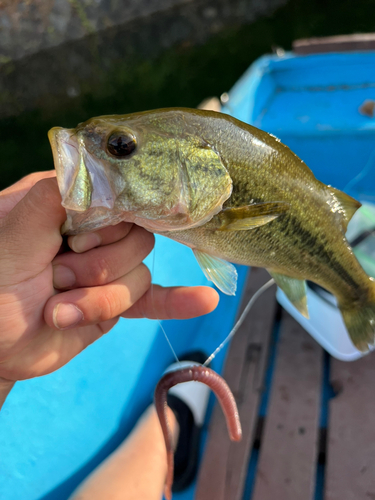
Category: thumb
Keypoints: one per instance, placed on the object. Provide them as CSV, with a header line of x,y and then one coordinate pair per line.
x,y
30,233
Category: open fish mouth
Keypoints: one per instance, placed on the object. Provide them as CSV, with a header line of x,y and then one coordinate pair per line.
x,y
81,177
66,158
161,186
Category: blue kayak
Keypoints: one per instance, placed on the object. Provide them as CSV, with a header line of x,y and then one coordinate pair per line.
x,y
56,429
316,105
323,107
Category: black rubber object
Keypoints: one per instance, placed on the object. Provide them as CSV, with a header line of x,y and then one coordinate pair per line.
x,y
187,451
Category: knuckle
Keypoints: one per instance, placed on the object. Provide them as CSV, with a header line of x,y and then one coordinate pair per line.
x,y
110,305
145,241
149,240
115,300
100,271
45,189
44,193
32,178
144,277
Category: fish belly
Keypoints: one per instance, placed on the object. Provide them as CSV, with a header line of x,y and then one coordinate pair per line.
x,y
325,259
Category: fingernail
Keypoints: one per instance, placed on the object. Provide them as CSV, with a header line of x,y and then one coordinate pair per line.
x,y
66,316
63,277
83,242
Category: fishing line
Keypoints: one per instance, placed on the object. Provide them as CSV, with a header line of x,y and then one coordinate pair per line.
x,y
365,170
231,334
153,307
169,342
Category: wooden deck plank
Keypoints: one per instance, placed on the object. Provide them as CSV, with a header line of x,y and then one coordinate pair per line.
x,y
289,445
350,470
224,465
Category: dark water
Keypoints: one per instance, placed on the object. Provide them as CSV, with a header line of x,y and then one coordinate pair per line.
x,y
148,77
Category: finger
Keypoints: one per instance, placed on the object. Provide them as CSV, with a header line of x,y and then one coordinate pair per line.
x,y
104,264
10,196
47,353
86,241
85,306
174,303
31,230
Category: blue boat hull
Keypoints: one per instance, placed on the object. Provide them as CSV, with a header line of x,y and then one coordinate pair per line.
x,y
312,104
55,430
315,105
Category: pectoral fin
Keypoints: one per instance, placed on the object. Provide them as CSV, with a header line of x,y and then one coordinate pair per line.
x,y
222,273
294,289
249,216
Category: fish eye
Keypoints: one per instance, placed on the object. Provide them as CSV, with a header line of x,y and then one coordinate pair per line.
x,y
120,144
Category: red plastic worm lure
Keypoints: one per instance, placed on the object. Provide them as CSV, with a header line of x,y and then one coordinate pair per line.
x,y
197,373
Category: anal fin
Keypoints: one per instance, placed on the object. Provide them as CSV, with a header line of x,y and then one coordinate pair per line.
x,y
222,273
294,289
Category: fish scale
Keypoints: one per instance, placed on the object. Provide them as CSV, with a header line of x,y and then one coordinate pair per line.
x,y
226,189
286,237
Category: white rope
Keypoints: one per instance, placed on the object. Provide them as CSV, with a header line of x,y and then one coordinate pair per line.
x,y
240,320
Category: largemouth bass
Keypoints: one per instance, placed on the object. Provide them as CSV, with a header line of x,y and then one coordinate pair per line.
x,y
229,191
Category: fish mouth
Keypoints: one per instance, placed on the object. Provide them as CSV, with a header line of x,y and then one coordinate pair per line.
x,y
81,177
65,152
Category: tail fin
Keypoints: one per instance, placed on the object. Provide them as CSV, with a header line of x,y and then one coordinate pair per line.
x,y
359,320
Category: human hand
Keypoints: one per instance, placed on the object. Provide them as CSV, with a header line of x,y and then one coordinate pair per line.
x,y
53,305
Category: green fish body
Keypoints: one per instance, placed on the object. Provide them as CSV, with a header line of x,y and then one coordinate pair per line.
x,y
226,189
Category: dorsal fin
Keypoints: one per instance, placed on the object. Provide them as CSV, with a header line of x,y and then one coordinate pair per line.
x,y
348,205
